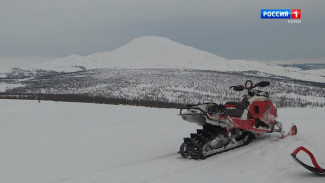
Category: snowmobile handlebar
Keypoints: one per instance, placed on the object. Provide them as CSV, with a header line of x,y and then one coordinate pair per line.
x,y
249,85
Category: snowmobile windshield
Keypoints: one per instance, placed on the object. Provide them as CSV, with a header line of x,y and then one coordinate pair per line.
x,y
263,84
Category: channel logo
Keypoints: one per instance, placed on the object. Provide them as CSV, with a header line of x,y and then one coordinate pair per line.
x,y
280,13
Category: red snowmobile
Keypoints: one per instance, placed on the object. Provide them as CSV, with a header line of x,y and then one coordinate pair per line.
x,y
231,125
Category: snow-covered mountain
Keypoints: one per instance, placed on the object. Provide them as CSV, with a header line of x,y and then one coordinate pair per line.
x,y
159,52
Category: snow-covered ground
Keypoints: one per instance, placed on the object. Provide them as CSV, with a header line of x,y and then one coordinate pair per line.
x,y
74,142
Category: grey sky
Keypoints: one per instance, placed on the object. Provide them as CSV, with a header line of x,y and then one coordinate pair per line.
x,y
229,28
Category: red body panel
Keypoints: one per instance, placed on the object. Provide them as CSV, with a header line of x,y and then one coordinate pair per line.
x,y
263,110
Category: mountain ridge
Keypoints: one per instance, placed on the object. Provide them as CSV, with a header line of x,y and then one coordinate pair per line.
x,y
160,52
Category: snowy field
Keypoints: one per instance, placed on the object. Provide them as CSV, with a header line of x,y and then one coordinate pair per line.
x,y
73,142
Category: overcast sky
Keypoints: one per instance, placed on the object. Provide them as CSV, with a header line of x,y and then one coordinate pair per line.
x,y
229,28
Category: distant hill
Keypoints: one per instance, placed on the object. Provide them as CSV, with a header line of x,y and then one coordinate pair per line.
x,y
310,66
159,52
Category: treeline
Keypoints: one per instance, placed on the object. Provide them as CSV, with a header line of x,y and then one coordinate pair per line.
x,y
90,99
87,98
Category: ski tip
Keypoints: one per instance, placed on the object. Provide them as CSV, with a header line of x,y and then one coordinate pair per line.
x,y
293,130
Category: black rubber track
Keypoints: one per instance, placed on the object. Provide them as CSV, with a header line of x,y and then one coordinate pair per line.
x,y
192,147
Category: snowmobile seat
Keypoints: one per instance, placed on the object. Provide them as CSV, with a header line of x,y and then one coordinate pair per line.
x,y
236,109
234,112
235,105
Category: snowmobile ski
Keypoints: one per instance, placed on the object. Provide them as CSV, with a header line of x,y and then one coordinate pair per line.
x,y
316,169
292,132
